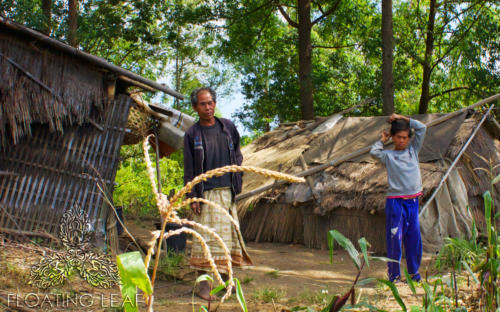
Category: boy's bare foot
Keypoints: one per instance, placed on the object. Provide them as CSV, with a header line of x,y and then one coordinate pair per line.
x,y
204,291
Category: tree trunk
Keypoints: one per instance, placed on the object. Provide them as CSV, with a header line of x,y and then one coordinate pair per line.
x,y
387,59
73,22
305,60
47,11
427,66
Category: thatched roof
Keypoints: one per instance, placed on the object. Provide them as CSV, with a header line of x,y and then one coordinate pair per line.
x,y
49,82
361,183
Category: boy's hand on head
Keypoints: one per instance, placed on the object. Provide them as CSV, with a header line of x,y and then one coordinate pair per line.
x,y
396,117
384,136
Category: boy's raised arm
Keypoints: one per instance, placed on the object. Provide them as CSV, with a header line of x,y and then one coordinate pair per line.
x,y
377,149
420,130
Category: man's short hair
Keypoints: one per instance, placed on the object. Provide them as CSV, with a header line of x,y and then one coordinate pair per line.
x,y
400,125
194,94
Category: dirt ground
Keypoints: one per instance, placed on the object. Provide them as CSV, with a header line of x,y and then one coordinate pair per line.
x,y
286,276
283,276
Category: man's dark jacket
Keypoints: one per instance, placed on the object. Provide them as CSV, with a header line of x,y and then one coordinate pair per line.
x,y
194,155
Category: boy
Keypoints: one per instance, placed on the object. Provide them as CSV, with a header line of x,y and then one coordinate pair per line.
x,y
405,185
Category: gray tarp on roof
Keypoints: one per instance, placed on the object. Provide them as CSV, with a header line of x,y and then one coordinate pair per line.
x,y
358,132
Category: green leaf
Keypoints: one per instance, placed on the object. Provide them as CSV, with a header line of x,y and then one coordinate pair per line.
x,y
395,293
366,281
203,308
363,244
330,246
410,282
204,277
488,206
132,274
219,288
385,259
428,292
240,296
496,179
467,267
329,307
346,244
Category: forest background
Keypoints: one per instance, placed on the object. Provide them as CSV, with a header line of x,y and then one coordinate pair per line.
x,y
290,59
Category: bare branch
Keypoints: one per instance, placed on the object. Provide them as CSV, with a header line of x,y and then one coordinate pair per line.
x,y
287,17
460,39
448,91
333,47
330,11
320,7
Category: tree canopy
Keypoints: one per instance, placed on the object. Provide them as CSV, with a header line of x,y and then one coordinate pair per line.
x,y
293,59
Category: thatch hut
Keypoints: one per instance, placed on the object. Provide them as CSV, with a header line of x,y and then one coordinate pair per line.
x,y
63,118
350,197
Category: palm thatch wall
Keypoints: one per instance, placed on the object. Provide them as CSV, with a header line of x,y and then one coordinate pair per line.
x,y
62,123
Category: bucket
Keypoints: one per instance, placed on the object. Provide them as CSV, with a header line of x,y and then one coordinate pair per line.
x,y
175,243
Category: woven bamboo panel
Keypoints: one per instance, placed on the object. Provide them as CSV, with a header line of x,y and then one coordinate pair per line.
x,y
54,171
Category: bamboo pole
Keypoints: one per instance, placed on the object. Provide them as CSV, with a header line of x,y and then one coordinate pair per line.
x,y
86,56
450,168
361,151
158,177
28,233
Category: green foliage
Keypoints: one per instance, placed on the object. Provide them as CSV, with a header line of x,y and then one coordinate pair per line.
x,y
239,291
247,139
132,274
273,274
268,294
171,263
345,243
247,279
133,189
395,293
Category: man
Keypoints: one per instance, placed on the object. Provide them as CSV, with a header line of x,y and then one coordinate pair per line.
x,y
209,144
405,186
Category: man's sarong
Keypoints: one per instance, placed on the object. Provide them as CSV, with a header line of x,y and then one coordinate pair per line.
x,y
220,223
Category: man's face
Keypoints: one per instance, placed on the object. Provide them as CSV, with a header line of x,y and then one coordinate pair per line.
x,y
400,140
205,106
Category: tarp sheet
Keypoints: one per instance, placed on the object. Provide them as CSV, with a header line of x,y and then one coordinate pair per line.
x,y
354,133
447,215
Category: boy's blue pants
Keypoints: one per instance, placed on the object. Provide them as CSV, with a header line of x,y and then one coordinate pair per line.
x,y
401,224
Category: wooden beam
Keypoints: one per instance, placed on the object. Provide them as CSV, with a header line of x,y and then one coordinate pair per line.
x,y
28,233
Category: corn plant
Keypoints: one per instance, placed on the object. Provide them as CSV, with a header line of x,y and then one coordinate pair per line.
x,y
359,260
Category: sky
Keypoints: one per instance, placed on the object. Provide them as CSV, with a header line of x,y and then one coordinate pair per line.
x,y
228,105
